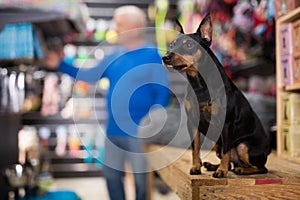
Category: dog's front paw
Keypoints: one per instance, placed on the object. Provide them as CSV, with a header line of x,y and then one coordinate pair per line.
x,y
220,173
195,170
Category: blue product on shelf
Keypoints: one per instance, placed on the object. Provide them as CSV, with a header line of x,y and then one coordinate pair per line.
x,y
37,46
7,42
19,41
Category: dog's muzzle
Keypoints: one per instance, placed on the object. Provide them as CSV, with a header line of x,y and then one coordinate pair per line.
x,y
167,60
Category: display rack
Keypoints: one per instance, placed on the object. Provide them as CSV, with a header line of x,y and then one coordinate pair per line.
x,y
51,24
11,123
104,9
281,88
43,19
67,165
173,164
9,126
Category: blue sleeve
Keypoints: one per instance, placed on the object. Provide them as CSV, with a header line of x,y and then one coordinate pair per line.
x,y
68,69
90,75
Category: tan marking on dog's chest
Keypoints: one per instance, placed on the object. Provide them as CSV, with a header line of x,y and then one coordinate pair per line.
x,y
192,71
210,107
187,105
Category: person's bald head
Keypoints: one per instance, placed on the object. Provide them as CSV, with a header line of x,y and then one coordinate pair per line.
x,y
131,15
130,22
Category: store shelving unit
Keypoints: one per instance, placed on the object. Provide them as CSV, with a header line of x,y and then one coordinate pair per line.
x,y
11,123
104,9
51,24
45,20
67,165
281,89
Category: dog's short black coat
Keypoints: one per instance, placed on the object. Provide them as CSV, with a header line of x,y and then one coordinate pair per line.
x,y
243,140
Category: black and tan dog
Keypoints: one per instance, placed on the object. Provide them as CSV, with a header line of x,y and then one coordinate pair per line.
x,y
239,135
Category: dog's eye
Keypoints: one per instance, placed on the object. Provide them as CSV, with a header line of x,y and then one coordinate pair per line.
x,y
189,44
171,45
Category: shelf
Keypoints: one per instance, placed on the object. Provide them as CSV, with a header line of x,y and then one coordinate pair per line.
x,y
75,170
35,118
295,160
295,87
281,89
82,154
51,23
67,165
104,9
289,17
281,182
74,166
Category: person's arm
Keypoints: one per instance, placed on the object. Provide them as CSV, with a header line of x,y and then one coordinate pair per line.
x,y
90,75
68,69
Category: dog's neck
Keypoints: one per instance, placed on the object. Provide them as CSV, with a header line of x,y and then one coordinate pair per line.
x,y
199,88
209,80
210,68
196,80
219,66
201,74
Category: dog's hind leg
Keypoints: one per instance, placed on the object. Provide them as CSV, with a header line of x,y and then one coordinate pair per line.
x,y
249,170
246,168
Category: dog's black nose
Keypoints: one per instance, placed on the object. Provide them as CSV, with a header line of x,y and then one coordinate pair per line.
x,y
166,59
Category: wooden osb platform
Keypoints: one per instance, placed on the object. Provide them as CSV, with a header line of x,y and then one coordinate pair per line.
x,y
173,164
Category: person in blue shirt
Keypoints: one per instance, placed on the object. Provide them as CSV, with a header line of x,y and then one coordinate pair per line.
x,y
138,83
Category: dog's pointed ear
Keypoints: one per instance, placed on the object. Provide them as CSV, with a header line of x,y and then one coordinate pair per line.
x,y
205,29
178,27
